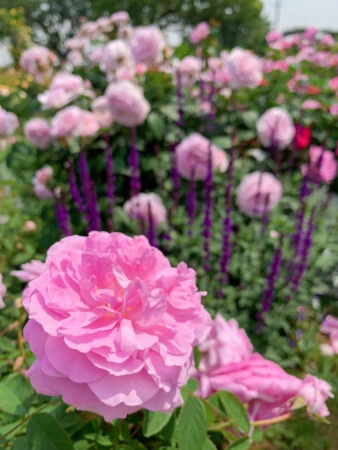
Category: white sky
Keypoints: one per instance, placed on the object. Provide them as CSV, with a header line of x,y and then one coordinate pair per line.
x,y
322,14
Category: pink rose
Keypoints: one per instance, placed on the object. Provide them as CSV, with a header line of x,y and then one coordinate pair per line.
x,y
315,392
258,193
275,128
127,103
329,325
327,40
141,205
102,113
334,109
29,226
266,387
333,83
189,70
105,24
3,291
113,325
192,157
311,104
310,33
8,122
147,44
29,271
199,33
73,121
115,55
245,69
273,36
76,43
322,165
120,17
44,174
38,61
41,178
38,132
75,59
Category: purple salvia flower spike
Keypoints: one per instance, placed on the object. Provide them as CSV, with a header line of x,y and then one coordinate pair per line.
x,y
180,100
191,202
62,215
135,181
110,189
208,204
74,190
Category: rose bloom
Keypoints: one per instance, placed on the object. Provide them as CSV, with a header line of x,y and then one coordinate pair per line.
x,y
3,291
327,40
302,137
228,362
29,226
127,103
115,54
311,105
258,193
147,44
29,271
322,165
329,325
333,84
120,17
38,61
275,128
140,206
310,33
38,132
199,33
189,70
192,156
273,36
8,122
101,112
245,69
334,109
73,121
113,325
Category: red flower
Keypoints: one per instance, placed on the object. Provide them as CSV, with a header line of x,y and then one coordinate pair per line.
x,y
302,137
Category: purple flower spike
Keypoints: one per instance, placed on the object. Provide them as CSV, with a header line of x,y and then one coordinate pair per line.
x,y
208,203
151,228
61,211
174,175
191,203
110,190
135,181
212,112
180,100
74,190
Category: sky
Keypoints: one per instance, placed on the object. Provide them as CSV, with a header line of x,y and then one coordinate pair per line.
x,y
322,14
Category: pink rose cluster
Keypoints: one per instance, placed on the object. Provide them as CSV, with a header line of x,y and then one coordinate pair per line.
x,y
322,165
38,61
8,122
147,44
330,326
127,103
3,291
275,128
112,325
192,156
65,88
245,69
142,205
38,132
40,181
258,193
228,362
74,122
188,70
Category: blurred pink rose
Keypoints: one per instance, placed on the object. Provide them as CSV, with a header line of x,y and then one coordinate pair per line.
x,y
333,83
90,30
105,24
44,174
327,39
245,69
29,271
139,206
322,165
113,325
73,121
275,128
29,226
41,178
147,44
266,387
8,122
334,109
3,291
127,103
38,61
75,59
102,113
189,70
76,43
258,193
329,325
115,55
273,36
192,157
311,104
120,17
199,33
310,33
315,392
38,132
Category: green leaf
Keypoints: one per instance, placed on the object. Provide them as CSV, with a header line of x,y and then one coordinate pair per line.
x,y
209,445
257,435
235,409
154,422
192,425
222,142
44,432
16,395
240,444
21,443
191,386
156,125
